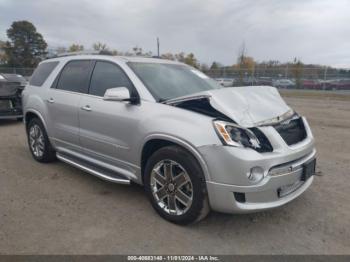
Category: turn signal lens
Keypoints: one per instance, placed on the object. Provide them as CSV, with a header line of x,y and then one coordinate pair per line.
x,y
223,131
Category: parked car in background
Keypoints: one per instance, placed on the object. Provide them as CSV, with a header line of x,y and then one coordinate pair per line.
x,y
344,84
11,87
249,81
264,81
337,84
226,82
283,83
311,84
193,144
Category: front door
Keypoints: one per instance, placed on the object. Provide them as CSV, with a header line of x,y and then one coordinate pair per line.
x,y
107,128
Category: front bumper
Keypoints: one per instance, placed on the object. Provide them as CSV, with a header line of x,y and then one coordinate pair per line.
x,y
10,114
265,195
229,188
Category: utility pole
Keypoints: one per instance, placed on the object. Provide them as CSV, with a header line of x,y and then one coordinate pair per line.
x,y
158,47
325,78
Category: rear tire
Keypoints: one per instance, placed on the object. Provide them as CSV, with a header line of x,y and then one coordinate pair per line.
x,y
175,185
39,143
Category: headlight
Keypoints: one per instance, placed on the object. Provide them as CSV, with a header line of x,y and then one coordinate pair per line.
x,y
234,135
1,77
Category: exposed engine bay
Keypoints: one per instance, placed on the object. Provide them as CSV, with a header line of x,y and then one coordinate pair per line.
x,y
246,109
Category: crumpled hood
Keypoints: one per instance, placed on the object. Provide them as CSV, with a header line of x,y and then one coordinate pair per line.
x,y
248,106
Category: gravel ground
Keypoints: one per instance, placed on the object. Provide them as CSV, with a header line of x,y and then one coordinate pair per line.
x,y
57,209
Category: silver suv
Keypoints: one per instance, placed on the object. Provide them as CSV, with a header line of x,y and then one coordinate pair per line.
x,y
193,144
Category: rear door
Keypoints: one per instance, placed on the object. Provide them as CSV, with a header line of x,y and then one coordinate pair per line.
x,y
63,103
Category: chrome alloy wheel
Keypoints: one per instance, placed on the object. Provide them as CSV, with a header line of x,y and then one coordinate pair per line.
x,y
36,140
171,187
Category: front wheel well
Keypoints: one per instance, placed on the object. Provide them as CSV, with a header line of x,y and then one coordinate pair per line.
x,y
150,147
29,116
153,145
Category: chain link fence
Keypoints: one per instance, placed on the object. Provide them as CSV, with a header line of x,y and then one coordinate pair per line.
x,y
284,77
284,72
322,78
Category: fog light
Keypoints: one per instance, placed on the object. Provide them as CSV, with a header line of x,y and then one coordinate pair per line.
x,y
256,174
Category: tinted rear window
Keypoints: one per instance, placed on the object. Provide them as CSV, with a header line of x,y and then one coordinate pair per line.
x,y
75,76
42,72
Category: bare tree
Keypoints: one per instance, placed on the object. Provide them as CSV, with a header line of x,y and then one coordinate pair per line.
x,y
3,58
297,71
76,48
204,67
99,46
245,64
168,56
61,50
137,50
180,57
191,60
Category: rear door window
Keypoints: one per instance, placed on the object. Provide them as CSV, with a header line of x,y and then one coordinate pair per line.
x,y
75,76
107,75
42,72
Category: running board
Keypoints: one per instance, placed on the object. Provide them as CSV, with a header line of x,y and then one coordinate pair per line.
x,y
102,173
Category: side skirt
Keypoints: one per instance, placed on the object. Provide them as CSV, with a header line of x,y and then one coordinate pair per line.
x,y
97,171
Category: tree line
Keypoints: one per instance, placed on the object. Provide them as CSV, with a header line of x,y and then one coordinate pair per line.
x,y
26,47
189,59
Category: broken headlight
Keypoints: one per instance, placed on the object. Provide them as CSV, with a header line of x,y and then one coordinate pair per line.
x,y
237,136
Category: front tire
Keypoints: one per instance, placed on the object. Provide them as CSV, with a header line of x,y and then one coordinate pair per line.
x,y
175,185
39,143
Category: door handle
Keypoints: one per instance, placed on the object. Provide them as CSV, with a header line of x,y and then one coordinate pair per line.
x,y
51,100
86,108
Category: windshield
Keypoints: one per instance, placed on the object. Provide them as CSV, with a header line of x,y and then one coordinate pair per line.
x,y
168,81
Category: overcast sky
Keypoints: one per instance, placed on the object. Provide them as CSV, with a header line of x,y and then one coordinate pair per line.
x,y
316,31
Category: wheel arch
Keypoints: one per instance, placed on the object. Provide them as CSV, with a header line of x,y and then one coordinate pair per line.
x,y
32,113
155,142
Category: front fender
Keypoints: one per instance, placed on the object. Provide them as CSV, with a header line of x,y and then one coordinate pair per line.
x,y
37,113
185,144
185,128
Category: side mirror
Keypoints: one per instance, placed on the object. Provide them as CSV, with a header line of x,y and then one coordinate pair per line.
x,y
119,94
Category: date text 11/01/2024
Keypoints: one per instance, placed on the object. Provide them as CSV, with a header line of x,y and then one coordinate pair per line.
x,y
173,258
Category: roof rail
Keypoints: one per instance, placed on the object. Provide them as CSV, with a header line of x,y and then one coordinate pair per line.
x,y
102,52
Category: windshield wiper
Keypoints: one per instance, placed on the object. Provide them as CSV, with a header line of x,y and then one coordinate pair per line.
x,y
162,100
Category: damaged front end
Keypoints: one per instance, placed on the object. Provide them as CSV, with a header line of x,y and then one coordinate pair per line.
x,y
11,87
241,113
